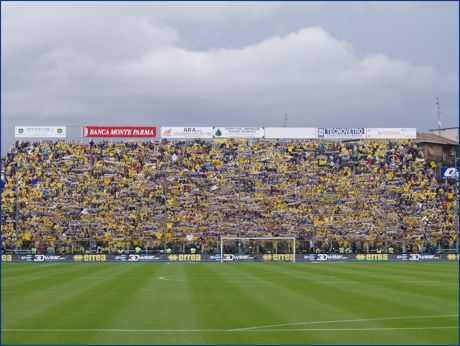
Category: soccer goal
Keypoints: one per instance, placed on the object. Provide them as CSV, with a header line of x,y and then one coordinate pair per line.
x,y
257,249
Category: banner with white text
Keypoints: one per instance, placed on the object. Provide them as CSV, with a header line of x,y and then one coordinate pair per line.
x,y
341,132
119,131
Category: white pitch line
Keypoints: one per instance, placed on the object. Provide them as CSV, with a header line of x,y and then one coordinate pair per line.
x,y
344,321
199,278
177,280
216,330
349,329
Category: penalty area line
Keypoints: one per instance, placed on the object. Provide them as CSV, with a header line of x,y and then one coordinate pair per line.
x,y
345,321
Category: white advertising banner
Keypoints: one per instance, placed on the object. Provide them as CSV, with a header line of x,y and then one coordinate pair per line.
x,y
186,132
341,132
291,132
239,132
390,133
39,131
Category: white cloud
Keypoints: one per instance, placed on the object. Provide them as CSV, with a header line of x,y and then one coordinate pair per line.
x,y
304,70
131,69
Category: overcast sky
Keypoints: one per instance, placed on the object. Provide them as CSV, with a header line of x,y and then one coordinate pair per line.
x,y
237,64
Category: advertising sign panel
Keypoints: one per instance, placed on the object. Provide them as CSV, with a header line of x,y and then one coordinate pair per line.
x,y
238,258
391,133
229,257
119,131
186,132
280,257
91,258
39,131
372,257
424,257
332,257
341,132
291,132
449,173
238,132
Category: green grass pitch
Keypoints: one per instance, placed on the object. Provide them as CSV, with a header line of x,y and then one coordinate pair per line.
x,y
231,303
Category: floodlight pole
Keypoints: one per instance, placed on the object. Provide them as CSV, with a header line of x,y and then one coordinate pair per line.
x,y
286,118
439,115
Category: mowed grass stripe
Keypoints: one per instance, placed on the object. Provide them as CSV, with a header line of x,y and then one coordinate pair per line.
x,y
53,289
95,297
360,300
159,305
388,292
130,296
75,295
404,271
291,299
35,272
330,301
246,296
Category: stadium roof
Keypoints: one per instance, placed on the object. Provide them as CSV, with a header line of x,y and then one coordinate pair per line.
x,y
432,138
445,128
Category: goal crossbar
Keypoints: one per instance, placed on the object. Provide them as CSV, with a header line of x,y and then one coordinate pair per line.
x,y
254,238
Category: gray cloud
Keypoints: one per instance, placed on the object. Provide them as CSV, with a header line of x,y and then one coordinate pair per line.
x,y
89,64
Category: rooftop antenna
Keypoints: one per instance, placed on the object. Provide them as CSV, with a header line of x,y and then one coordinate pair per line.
x,y
439,115
286,118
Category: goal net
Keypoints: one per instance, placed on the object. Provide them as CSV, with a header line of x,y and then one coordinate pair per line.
x,y
269,249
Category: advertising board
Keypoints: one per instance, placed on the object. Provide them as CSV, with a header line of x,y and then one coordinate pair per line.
x,y
291,132
341,132
119,131
391,133
449,173
288,257
238,257
187,132
332,257
39,131
238,132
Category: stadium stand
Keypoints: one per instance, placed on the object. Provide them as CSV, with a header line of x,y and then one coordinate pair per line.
x,y
75,197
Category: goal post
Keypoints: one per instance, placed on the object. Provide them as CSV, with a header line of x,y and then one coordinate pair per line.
x,y
257,248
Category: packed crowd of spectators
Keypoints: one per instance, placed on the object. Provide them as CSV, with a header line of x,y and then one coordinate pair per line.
x,y
69,196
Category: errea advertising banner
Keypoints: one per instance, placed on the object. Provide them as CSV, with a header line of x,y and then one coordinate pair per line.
x,y
232,258
391,133
341,132
291,132
40,131
238,132
187,132
119,131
